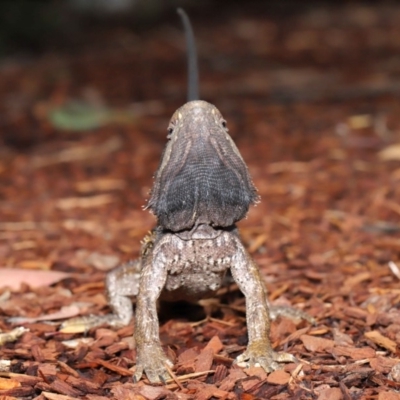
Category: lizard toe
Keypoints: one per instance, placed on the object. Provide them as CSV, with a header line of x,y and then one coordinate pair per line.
x,y
157,374
260,354
138,374
284,357
153,362
248,361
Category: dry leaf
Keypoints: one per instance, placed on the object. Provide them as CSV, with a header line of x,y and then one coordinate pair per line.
x,y
14,277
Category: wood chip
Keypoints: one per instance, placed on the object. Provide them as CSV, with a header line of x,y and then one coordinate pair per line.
x,y
215,345
204,360
229,382
388,395
6,384
383,365
354,352
279,377
63,387
55,396
316,344
381,340
114,368
330,394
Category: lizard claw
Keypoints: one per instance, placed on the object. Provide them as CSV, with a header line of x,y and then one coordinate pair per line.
x,y
155,373
138,374
152,361
259,354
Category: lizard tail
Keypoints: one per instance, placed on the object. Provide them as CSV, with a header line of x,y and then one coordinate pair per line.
x,y
193,72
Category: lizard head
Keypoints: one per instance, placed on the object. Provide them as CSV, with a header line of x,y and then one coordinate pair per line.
x,y
202,177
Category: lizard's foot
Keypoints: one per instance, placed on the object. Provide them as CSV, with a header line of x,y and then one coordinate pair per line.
x,y
153,362
289,312
260,354
83,324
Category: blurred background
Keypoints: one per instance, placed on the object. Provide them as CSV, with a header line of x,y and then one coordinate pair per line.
x,y
123,51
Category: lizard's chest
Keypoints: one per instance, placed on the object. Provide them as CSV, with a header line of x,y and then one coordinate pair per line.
x,y
196,268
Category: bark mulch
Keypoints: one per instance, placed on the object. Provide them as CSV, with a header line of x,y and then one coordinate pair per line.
x,y
312,101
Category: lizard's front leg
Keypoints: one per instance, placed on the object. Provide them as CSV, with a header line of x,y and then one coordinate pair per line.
x,y
150,357
259,351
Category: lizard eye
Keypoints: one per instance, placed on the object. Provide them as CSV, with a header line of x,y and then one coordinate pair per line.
x,y
223,123
170,131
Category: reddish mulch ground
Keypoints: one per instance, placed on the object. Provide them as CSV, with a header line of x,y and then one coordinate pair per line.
x,y
312,101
